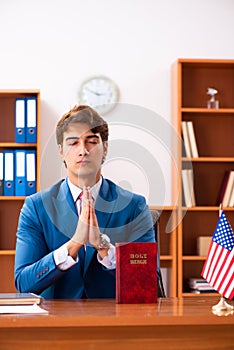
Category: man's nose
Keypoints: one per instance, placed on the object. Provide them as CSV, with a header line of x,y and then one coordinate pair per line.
x,y
83,149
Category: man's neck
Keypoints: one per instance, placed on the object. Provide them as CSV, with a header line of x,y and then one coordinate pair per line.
x,y
84,182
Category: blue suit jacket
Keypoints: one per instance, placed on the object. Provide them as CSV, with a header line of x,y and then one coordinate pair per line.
x,y
49,218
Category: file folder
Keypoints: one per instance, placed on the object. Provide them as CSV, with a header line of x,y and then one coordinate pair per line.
x,y
20,116
1,173
8,181
30,172
20,170
31,119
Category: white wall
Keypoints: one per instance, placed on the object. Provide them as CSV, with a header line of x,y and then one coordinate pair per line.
x,y
53,45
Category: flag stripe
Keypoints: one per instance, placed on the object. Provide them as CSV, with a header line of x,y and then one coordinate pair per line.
x,y
220,265
225,291
224,285
215,257
230,292
218,268
224,272
210,255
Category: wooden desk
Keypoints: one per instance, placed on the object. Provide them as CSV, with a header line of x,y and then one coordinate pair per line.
x,y
186,323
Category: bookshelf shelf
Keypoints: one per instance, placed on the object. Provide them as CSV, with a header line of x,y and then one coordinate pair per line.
x,y
17,145
208,111
11,205
201,294
7,252
214,130
12,198
208,159
194,258
206,208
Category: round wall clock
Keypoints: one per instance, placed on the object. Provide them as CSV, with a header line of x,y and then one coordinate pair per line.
x,y
100,93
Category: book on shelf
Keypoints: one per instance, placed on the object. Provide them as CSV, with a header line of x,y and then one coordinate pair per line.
x,y
187,145
226,197
188,188
1,173
231,199
189,138
20,299
201,291
203,243
192,139
200,285
17,172
136,272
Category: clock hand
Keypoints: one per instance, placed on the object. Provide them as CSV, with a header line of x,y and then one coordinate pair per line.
x,y
95,92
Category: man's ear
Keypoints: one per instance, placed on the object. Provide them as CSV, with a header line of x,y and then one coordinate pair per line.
x,y
105,147
60,150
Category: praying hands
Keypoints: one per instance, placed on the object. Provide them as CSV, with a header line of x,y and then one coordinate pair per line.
x,y
87,228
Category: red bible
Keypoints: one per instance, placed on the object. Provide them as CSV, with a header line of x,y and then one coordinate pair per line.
x,y
136,273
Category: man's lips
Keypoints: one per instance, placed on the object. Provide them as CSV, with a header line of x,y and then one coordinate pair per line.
x,y
83,162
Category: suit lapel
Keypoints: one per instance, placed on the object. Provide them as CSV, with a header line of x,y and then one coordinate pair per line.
x,y
104,206
64,211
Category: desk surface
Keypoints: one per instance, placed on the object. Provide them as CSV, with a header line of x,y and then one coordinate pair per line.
x,y
67,313
97,324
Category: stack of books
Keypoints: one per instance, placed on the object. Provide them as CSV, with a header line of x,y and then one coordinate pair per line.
x,y
200,285
190,143
21,303
226,197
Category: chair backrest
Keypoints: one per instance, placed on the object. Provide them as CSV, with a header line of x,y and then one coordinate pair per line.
x,y
155,216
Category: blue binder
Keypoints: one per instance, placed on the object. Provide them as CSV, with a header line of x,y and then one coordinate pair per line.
x,y
31,119
30,172
20,173
1,172
20,118
8,188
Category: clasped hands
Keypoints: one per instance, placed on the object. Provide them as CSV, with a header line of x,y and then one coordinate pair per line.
x,y
87,228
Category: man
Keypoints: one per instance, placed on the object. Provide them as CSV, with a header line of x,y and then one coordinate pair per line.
x,y
65,244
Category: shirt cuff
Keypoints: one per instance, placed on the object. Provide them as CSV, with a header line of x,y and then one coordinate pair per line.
x,y
63,261
108,261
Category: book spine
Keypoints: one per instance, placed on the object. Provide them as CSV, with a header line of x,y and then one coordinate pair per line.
x,y
187,145
228,190
192,139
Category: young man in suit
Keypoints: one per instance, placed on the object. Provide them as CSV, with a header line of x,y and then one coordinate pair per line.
x,y
65,244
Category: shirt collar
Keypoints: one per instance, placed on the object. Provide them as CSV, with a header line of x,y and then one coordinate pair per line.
x,y
75,191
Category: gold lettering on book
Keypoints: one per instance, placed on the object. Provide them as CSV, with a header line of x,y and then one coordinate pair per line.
x,y
138,259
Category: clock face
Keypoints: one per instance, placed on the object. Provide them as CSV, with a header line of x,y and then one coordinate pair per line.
x,y
100,93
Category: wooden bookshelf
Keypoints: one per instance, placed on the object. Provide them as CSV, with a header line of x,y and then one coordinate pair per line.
x,y
214,130
167,238
10,206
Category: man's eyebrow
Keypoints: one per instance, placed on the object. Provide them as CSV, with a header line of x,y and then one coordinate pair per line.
x,y
71,138
77,138
92,137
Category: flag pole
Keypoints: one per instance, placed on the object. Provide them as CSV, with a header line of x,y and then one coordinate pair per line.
x,y
222,308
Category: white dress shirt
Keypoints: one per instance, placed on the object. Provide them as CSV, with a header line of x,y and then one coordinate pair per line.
x,y
64,261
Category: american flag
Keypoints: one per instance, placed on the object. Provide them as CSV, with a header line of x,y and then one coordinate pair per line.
x,y
218,269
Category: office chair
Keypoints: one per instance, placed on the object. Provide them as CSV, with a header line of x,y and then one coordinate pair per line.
x,y
155,217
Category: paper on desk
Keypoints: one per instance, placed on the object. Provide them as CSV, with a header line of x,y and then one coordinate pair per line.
x,y
22,309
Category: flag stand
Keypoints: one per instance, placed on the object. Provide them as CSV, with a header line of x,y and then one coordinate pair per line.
x,y
222,305
222,308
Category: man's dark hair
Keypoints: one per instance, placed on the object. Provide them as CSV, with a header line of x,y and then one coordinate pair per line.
x,y
82,114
